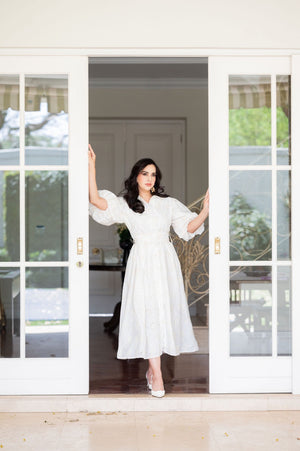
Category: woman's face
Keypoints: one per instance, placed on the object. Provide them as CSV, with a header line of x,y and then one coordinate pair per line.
x,y
146,178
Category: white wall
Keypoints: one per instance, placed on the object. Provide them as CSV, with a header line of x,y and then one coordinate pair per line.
x,y
184,103
156,23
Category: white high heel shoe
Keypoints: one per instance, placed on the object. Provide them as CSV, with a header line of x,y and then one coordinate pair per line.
x,y
158,393
148,382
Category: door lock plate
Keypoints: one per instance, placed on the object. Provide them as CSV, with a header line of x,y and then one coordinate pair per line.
x,y
217,245
79,246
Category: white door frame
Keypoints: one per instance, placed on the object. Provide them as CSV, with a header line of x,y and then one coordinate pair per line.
x,y
190,53
68,375
295,229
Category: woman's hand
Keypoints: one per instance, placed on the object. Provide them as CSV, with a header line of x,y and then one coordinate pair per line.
x,y
199,220
94,197
92,157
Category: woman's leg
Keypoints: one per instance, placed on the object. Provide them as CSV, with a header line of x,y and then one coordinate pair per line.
x,y
154,371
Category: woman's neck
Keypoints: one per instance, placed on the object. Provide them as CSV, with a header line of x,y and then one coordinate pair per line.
x,y
146,195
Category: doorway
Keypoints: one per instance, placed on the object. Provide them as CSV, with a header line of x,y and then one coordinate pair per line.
x,y
152,107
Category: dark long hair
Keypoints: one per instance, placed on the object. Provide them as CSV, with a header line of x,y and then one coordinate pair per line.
x,y
131,190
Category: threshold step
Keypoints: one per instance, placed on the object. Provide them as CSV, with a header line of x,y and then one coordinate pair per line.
x,y
144,403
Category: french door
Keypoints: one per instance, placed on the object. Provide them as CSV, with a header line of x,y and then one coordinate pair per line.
x,y
44,225
252,160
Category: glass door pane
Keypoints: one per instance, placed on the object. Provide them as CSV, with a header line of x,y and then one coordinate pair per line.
x,y
249,119
9,120
46,120
9,312
46,234
283,116
9,216
250,215
47,312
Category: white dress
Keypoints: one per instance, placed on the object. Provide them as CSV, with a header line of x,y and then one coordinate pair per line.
x,y
154,313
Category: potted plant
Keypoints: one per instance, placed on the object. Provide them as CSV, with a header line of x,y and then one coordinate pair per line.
x,y
125,241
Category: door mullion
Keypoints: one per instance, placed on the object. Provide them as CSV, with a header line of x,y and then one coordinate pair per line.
x,y
22,215
274,213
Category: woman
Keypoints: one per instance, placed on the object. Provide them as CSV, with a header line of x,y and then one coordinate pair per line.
x,y
154,314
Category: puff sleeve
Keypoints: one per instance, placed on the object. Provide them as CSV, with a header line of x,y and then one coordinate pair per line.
x,y
181,216
114,212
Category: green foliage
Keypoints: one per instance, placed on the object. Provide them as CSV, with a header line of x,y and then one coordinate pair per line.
x,y
250,231
123,232
4,257
47,322
282,128
252,127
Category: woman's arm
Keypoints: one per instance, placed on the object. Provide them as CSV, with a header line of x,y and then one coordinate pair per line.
x,y
199,220
94,197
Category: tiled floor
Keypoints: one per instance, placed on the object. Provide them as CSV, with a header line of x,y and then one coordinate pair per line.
x,y
143,431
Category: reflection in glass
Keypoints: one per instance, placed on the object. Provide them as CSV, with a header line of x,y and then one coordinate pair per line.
x,y
46,119
9,216
9,312
46,215
283,119
284,215
250,215
249,119
250,311
284,311
9,119
47,312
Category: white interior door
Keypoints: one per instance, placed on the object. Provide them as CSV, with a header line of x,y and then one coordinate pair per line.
x,y
43,186
250,225
164,141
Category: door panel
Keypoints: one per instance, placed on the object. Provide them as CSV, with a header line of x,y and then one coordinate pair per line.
x,y
163,141
250,172
43,184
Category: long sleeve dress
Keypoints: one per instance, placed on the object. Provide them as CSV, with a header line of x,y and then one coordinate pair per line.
x,y
154,315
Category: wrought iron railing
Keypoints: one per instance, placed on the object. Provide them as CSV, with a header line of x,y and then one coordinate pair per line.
x,y
193,257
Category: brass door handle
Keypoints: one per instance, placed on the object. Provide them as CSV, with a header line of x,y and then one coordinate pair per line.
x,y
217,245
79,246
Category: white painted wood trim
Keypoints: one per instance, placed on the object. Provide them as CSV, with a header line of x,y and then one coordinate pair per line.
x,y
135,52
295,185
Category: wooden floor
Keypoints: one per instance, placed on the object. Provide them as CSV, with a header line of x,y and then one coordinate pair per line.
x,y
187,373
